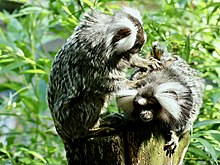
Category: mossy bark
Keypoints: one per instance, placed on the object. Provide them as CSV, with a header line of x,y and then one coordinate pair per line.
x,y
127,148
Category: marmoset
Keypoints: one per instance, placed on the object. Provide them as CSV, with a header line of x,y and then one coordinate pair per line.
x,y
90,67
170,97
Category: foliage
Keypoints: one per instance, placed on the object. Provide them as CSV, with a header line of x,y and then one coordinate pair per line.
x,y
189,28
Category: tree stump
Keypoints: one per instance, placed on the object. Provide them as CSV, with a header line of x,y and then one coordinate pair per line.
x,y
127,148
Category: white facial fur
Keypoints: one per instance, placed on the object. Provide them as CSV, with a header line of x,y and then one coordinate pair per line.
x,y
169,100
125,43
125,99
133,12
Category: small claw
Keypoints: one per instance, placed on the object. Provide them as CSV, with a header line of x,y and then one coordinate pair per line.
x,y
160,65
163,65
172,145
154,63
154,66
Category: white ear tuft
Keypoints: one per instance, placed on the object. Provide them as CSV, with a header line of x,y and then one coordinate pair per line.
x,y
171,87
125,100
165,94
170,104
125,42
126,92
133,12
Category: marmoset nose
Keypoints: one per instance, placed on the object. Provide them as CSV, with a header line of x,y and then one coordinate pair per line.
x,y
146,115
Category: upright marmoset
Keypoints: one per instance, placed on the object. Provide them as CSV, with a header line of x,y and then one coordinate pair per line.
x,y
170,98
90,67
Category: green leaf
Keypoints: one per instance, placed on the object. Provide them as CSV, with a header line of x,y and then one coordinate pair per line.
x,y
115,0
215,134
29,103
89,3
8,85
186,51
197,151
6,60
30,10
3,150
11,66
25,160
35,154
73,19
213,4
39,71
10,140
29,61
205,123
209,148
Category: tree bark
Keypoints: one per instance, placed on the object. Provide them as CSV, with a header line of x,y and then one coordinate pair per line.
x,y
127,148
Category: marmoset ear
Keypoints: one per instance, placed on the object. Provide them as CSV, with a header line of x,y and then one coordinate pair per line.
x,y
125,99
122,33
126,32
167,96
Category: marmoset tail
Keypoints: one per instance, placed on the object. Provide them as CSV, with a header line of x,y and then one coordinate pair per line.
x,y
171,97
90,67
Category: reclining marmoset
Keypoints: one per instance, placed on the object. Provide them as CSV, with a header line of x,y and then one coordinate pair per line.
x,y
170,97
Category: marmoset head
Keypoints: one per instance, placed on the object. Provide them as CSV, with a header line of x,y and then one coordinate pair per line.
x,y
126,31
120,33
163,101
146,106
